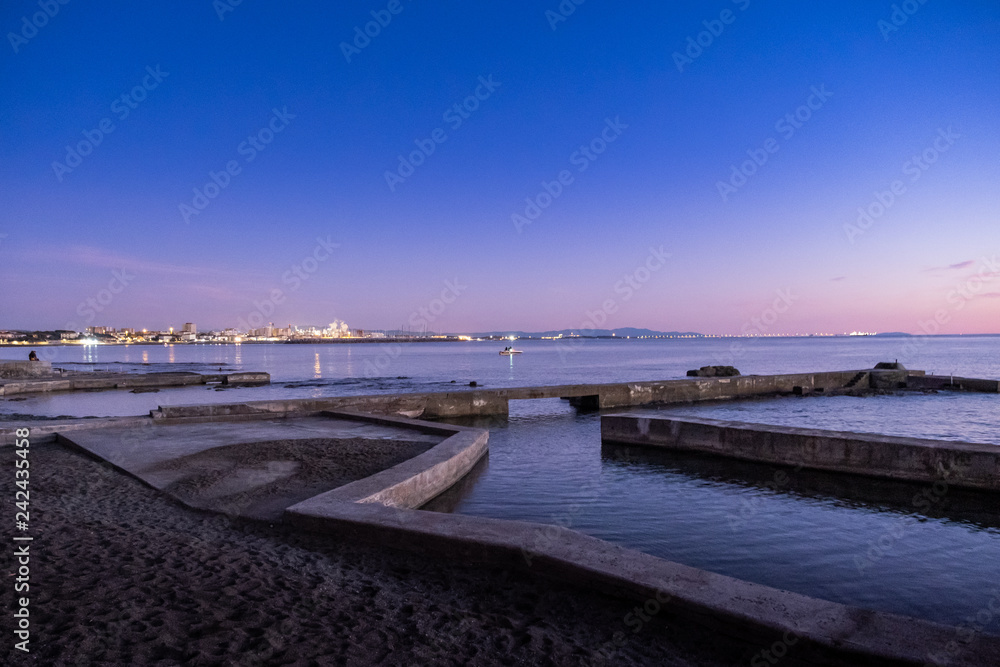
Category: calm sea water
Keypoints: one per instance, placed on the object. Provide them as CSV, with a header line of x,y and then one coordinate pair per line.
x,y
870,543
300,371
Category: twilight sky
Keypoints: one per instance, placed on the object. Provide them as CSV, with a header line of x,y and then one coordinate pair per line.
x,y
485,166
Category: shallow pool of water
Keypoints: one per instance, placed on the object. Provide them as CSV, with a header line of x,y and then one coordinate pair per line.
x,y
918,550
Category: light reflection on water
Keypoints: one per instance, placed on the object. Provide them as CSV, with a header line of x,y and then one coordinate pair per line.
x,y
347,368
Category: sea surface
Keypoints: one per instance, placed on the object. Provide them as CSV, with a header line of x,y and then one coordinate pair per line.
x,y
920,550
301,371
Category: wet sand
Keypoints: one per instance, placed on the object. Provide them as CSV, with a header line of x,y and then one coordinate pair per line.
x,y
121,575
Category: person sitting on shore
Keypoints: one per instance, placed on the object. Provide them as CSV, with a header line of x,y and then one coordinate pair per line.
x,y
32,356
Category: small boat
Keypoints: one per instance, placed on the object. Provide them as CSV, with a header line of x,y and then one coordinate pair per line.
x,y
508,351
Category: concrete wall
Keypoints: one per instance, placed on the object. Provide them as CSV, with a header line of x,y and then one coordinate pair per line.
x,y
953,383
969,465
46,431
825,633
10,368
418,480
487,402
379,510
25,386
24,369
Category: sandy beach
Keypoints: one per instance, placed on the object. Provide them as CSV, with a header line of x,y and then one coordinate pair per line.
x,y
122,575
298,469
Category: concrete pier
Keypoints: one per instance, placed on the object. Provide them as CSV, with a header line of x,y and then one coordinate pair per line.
x,y
491,402
70,381
495,402
961,464
953,383
482,402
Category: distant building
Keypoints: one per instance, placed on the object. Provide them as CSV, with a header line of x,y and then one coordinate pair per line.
x,y
229,335
262,332
190,328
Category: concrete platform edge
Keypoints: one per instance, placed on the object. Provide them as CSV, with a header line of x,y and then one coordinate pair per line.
x,y
961,464
825,633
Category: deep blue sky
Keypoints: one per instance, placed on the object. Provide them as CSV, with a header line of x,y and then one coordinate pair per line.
x,y
323,176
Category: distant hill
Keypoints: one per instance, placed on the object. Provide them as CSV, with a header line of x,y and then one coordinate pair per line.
x,y
623,332
893,334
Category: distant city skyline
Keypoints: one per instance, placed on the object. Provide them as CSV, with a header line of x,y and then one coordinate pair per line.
x,y
696,167
189,332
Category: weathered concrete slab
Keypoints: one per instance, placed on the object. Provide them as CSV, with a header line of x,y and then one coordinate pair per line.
x,y
70,381
24,369
246,378
47,430
256,469
415,482
951,382
888,380
963,464
12,387
138,449
488,402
